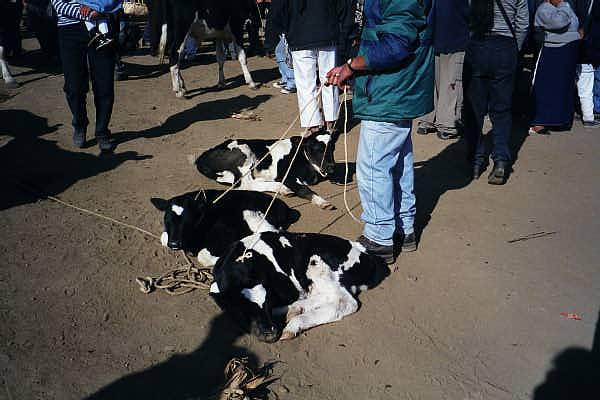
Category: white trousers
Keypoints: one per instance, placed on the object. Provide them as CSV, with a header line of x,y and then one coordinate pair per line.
x,y
306,64
585,90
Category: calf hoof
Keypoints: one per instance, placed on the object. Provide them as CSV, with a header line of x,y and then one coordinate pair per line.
x,y
180,94
221,85
287,335
293,312
253,85
328,206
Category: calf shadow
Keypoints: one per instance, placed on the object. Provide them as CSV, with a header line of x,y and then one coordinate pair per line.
x,y
198,374
36,167
260,76
208,111
575,373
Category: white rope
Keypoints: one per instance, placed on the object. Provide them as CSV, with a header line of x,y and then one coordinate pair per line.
x,y
346,155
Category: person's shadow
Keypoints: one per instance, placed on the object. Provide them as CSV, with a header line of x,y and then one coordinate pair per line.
x,y
449,170
575,374
207,111
198,374
35,167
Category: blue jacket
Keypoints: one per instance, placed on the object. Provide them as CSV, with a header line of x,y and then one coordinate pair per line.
x,y
396,44
450,25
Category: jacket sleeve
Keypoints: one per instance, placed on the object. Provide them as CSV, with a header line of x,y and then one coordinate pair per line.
x,y
68,9
397,34
522,22
273,27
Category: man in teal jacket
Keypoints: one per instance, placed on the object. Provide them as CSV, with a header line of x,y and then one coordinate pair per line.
x,y
393,84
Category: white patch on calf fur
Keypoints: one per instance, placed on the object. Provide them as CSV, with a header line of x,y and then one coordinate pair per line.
x,y
323,138
284,242
206,259
353,256
262,248
278,151
177,209
214,288
225,177
254,220
164,239
257,294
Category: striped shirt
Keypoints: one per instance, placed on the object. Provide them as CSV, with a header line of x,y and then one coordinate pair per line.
x,y
68,12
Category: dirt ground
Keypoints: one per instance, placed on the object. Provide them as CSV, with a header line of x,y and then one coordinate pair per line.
x,y
473,314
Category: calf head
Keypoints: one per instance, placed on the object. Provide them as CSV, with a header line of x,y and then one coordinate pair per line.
x,y
318,149
182,219
241,289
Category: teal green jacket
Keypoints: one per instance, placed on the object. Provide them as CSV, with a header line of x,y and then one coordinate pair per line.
x,y
396,42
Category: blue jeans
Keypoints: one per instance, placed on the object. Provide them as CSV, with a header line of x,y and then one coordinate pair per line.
x,y
384,172
287,74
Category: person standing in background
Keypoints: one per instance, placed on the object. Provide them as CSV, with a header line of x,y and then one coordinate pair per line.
x,y
498,30
450,36
80,63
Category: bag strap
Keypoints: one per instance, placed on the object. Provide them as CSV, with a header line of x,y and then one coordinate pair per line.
x,y
588,19
505,16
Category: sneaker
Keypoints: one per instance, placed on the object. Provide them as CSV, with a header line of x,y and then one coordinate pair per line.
x,y
106,144
79,137
385,252
591,124
279,85
408,242
287,90
103,42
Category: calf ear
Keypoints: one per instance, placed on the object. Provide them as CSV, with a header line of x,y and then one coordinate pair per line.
x,y
160,204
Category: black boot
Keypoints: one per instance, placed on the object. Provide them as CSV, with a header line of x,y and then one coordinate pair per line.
x,y
499,173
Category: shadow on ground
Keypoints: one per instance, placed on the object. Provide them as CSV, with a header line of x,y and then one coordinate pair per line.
x,y
198,374
33,166
575,374
208,111
449,170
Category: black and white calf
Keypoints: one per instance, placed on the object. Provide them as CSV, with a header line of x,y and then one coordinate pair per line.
x,y
193,223
311,278
218,20
233,159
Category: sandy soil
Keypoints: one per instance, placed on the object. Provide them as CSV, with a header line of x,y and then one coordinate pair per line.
x,y
474,314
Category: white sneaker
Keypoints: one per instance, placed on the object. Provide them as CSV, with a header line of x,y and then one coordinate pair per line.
x,y
287,90
279,85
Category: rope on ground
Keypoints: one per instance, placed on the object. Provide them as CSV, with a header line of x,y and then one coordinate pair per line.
x,y
241,383
180,280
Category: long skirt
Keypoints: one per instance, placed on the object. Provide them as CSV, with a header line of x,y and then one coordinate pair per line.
x,y
553,91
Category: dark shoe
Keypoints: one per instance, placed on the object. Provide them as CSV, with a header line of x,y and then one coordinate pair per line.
x,y
105,143
477,171
287,90
499,173
385,252
103,42
79,137
424,130
408,242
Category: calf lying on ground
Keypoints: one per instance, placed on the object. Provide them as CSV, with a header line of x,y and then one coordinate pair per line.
x,y
312,277
230,160
194,224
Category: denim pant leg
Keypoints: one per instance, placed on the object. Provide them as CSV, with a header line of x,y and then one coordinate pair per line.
x,y
287,74
384,174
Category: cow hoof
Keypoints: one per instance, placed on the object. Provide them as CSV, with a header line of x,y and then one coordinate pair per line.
x,y
12,84
220,85
253,85
328,206
180,94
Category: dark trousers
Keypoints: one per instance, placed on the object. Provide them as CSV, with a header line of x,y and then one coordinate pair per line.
x,y
489,73
81,62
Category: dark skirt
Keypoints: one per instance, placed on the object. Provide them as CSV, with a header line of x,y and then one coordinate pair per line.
x,y
553,92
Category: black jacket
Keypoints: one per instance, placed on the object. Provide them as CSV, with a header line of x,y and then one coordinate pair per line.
x,y
309,24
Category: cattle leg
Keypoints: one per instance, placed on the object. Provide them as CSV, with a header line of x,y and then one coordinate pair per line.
x,y
244,65
9,81
315,312
306,193
262,186
220,51
206,259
